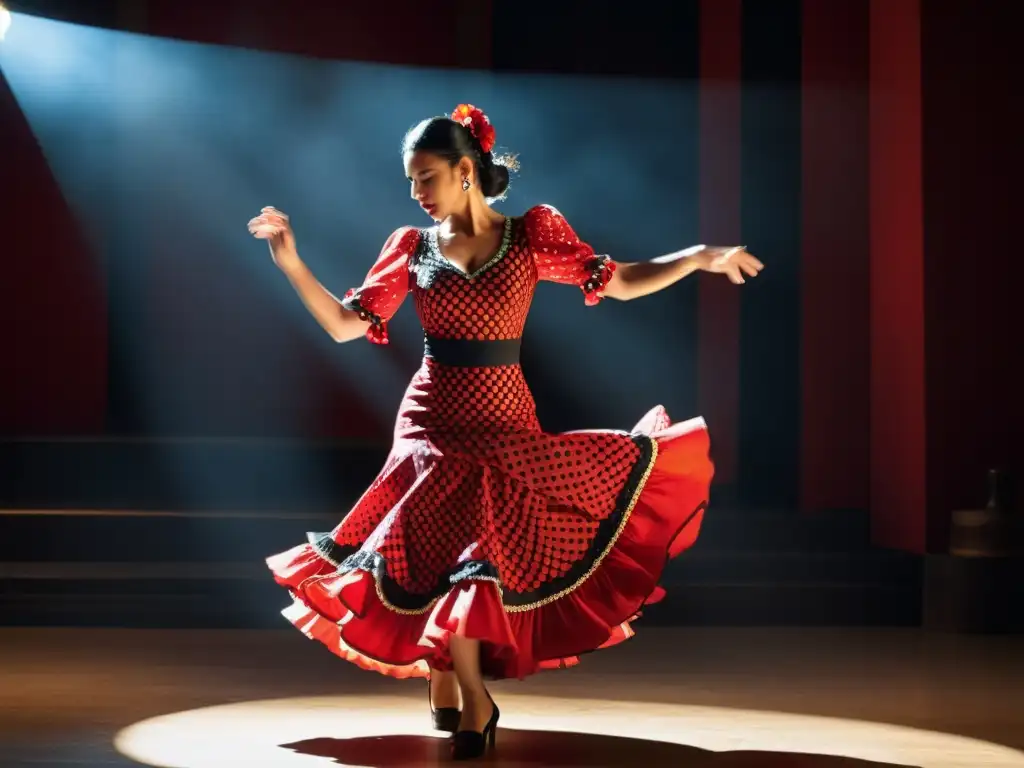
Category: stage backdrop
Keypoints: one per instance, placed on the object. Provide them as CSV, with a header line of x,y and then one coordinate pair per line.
x,y
859,148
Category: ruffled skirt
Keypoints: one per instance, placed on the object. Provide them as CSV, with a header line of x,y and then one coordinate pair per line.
x,y
543,547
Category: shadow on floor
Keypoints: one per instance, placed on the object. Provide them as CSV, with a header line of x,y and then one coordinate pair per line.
x,y
553,748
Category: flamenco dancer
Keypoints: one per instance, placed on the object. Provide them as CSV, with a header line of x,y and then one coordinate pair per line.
x,y
487,548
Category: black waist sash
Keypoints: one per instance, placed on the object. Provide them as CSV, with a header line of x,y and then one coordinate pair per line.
x,y
470,353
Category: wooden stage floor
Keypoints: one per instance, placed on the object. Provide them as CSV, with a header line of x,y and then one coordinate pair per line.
x,y
739,698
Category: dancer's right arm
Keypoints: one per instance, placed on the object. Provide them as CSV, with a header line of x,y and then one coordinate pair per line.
x,y
341,324
364,311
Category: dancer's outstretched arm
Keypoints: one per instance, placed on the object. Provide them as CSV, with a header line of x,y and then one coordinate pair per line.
x,y
632,280
562,257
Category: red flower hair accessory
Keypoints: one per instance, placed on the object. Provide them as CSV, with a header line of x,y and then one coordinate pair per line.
x,y
478,124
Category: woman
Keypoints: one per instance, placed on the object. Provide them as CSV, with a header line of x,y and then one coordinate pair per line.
x,y
487,547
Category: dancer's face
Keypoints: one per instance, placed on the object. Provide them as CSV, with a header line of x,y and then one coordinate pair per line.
x,y
436,185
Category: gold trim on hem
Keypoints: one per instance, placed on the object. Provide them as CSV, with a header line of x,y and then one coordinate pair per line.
x,y
626,515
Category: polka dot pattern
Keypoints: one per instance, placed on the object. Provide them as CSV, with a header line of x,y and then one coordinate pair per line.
x,y
490,305
562,257
472,477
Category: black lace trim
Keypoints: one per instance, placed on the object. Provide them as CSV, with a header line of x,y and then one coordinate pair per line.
x,y
601,271
349,558
428,262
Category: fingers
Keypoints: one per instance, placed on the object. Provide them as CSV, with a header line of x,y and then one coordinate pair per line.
x,y
750,267
269,223
744,262
261,228
265,233
735,263
272,220
274,212
750,260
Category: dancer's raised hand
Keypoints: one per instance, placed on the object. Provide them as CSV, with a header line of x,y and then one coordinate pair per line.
x,y
273,226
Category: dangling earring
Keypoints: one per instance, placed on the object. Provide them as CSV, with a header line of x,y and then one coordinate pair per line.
x,y
465,184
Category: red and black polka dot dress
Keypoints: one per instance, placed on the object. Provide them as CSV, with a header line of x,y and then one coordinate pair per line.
x,y
543,546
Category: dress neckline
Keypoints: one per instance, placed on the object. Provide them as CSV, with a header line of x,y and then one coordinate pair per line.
x,y
506,240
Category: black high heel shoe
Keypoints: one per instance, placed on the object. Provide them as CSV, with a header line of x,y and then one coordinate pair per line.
x,y
469,745
444,718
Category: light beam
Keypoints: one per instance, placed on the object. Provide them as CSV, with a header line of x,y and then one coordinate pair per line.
x,y
5,21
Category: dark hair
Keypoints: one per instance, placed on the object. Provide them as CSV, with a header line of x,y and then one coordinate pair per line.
x,y
447,139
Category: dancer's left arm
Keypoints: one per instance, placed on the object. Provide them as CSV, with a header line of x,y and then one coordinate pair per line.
x,y
563,258
635,279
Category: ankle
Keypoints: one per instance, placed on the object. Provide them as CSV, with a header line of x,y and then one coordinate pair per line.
x,y
476,697
444,690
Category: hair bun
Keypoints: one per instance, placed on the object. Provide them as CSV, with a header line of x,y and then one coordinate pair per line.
x,y
449,138
494,178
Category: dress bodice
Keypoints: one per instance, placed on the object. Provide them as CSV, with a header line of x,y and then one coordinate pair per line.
x,y
490,304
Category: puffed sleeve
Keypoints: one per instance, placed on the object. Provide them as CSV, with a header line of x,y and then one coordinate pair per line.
x,y
386,284
561,257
